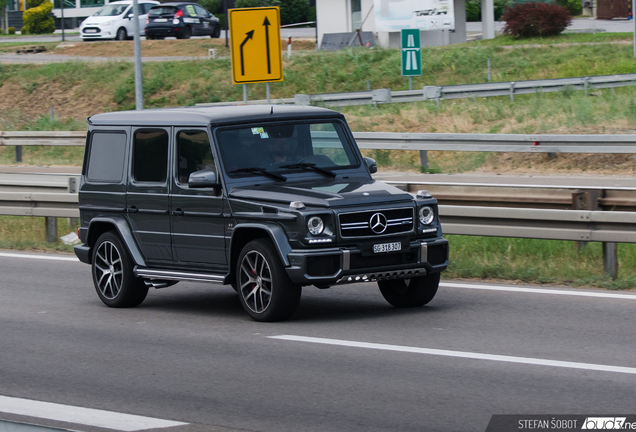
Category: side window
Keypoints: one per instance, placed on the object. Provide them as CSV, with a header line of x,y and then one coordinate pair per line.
x,y
106,157
200,11
193,154
190,10
150,155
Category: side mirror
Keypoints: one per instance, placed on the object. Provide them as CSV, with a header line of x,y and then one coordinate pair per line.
x,y
130,16
371,165
203,179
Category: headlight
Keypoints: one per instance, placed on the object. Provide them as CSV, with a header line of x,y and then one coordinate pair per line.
x,y
427,215
315,225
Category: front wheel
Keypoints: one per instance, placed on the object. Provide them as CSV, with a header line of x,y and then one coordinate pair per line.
x,y
216,33
414,292
113,276
265,290
122,35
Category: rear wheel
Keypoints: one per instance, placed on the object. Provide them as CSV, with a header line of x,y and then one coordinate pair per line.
x,y
121,34
265,290
412,292
113,276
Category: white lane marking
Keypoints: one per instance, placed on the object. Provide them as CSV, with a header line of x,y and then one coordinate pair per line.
x,y
84,416
43,257
460,354
539,291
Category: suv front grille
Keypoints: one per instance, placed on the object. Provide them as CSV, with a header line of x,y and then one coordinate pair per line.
x,y
372,223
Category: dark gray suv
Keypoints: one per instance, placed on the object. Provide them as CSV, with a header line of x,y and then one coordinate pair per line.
x,y
267,199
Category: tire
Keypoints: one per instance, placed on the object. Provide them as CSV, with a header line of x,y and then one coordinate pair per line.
x,y
265,290
414,292
113,277
216,33
121,35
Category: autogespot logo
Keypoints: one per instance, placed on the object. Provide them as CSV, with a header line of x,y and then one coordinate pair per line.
x,y
377,223
605,423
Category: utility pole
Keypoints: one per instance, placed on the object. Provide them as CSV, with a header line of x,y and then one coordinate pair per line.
x,y
139,91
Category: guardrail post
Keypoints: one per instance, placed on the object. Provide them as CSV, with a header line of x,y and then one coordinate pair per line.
x,y
610,259
51,229
302,99
424,158
586,84
512,91
18,153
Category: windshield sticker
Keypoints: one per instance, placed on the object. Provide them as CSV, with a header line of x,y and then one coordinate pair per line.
x,y
191,10
257,130
264,135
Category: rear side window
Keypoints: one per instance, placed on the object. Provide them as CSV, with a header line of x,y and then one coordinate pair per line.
x,y
150,155
106,157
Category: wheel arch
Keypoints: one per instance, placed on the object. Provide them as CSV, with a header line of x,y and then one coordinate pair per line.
x,y
100,225
244,233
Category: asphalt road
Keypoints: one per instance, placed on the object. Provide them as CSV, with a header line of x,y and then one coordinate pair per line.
x,y
190,354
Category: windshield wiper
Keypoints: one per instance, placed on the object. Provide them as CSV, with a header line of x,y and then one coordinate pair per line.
x,y
312,166
258,170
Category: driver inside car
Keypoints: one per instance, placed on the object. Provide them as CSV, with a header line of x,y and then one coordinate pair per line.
x,y
280,144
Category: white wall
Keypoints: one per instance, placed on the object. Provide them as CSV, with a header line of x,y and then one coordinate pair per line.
x,y
334,16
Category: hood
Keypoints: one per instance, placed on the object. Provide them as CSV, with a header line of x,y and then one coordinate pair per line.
x,y
324,193
96,20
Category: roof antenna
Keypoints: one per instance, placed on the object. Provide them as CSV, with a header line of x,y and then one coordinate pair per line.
x,y
272,111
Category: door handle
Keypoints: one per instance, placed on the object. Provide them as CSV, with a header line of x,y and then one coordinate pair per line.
x,y
177,212
132,209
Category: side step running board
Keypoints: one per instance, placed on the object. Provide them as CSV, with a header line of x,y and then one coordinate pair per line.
x,y
177,275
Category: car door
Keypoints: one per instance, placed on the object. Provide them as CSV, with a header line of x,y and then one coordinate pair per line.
x,y
190,17
206,23
147,199
198,229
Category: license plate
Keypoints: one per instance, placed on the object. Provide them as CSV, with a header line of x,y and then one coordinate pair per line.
x,y
387,247
90,31
161,20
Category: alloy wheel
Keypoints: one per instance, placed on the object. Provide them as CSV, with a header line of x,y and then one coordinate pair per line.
x,y
108,270
255,281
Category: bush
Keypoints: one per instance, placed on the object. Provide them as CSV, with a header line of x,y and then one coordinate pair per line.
x,y
38,20
536,19
11,30
573,6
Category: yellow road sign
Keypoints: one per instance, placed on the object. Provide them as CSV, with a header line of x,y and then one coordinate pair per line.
x,y
255,45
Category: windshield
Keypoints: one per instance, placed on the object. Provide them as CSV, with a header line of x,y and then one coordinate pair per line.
x,y
285,147
111,10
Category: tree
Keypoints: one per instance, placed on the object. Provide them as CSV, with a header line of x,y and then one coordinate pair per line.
x,y
38,19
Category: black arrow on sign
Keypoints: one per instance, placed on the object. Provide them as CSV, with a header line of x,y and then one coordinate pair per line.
x,y
250,35
267,24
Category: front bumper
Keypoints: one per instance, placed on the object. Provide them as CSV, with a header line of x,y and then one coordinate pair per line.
x,y
332,266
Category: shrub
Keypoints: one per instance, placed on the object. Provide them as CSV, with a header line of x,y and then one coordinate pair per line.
x,y
38,20
573,6
11,30
535,19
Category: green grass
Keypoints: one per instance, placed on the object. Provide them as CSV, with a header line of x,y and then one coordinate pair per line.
x,y
29,233
563,38
538,261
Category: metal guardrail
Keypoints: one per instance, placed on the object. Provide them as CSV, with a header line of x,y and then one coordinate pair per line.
x,y
438,93
528,143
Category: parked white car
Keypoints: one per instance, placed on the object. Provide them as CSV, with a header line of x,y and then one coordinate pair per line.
x,y
115,21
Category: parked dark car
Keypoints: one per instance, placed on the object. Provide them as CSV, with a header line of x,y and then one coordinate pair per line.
x,y
267,199
181,20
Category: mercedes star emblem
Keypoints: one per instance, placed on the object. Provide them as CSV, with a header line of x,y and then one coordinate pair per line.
x,y
377,223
